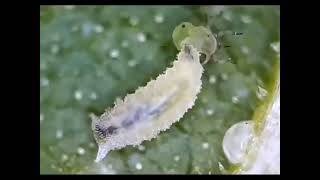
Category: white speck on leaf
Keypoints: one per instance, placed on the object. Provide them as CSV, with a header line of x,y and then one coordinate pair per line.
x,y
235,99
54,49
81,151
261,93
246,19
275,46
134,20
44,82
59,134
41,118
69,7
224,76
205,145
114,53
98,28
245,49
158,18
176,158
64,157
93,96
78,95
141,148
132,63
141,37
212,79
125,44
138,166
210,112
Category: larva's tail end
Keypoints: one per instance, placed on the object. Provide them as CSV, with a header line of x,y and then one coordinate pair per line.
x,y
102,153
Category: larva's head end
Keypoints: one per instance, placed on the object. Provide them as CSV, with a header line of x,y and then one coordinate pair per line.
x,y
187,48
189,53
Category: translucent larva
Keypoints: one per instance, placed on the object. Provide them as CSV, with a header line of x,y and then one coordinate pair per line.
x,y
151,109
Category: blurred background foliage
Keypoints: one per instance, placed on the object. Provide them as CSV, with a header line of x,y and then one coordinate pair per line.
x,y
91,55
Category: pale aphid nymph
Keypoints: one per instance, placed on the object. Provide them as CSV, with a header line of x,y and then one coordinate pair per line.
x,y
198,36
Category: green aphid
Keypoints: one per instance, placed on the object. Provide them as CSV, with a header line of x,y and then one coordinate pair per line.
x,y
198,36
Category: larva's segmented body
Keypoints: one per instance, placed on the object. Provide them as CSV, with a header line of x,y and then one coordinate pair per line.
x,y
151,109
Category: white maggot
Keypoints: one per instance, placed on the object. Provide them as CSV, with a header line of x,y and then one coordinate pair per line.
x,y
151,109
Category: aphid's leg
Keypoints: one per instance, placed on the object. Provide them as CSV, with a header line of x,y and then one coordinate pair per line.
x,y
93,117
209,58
206,60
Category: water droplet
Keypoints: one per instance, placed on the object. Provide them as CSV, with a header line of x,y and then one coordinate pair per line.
x,y
138,166
205,145
275,46
261,93
235,99
210,112
93,96
246,19
64,157
224,76
69,7
125,44
54,49
141,148
114,53
91,145
158,18
98,28
78,95
227,16
81,151
212,79
41,118
44,82
141,37
244,49
59,134
132,63
176,158
236,140
134,20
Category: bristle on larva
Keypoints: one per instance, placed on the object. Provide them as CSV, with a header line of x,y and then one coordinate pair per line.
x,y
151,109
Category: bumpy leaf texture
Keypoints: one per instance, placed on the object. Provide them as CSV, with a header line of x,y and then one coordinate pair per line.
x,y
90,56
